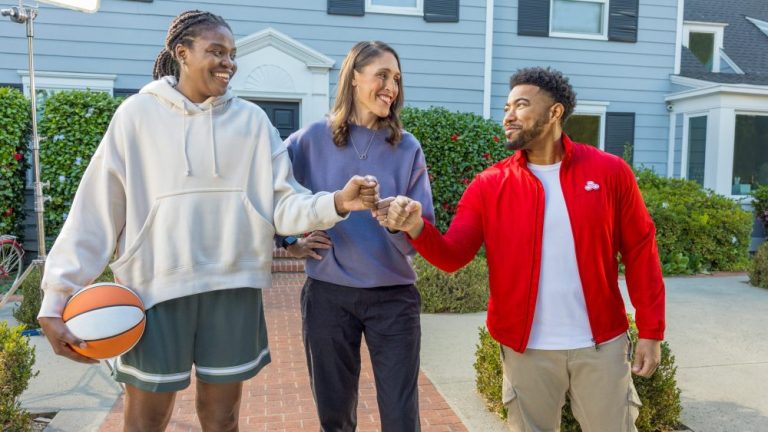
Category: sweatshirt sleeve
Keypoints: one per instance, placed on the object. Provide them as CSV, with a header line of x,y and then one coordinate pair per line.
x,y
296,210
89,236
456,248
420,190
639,253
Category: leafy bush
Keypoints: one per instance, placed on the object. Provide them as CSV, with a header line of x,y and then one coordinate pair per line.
x,y
27,311
73,124
463,291
760,204
457,146
696,229
659,393
15,123
16,360
758,270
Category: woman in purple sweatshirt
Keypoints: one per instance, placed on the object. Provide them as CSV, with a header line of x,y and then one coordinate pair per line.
x,y
360,280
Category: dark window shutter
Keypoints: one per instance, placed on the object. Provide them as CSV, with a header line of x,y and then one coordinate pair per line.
x,y
120,92
622,20
619,131
18,87
441,10
533,17
346,7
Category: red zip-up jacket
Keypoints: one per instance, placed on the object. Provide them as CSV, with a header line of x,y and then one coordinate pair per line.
x,y
503,207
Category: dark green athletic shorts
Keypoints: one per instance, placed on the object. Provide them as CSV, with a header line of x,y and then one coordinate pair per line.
x,y
223,333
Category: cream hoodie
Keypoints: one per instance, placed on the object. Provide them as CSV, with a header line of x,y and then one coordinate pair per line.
x,y
188,198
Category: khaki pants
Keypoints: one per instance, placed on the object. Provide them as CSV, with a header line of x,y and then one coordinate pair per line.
x,y
597,381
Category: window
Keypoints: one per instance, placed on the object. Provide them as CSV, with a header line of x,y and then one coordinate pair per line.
x,y
705,41
702,45
430,10
750,153
614,20
579,18
586,124
697,145
400,7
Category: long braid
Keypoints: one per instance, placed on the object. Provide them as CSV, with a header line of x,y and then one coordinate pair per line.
x,y
183,30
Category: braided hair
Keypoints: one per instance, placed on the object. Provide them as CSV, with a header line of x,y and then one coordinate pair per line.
x,y
183,30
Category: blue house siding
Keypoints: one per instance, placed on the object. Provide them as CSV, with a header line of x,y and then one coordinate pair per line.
x,y
632,77
442,62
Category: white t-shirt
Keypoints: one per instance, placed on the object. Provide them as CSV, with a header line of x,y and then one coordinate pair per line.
x,y
560,321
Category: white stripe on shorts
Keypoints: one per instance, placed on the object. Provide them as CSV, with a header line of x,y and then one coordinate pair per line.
x,y
232,370
148,377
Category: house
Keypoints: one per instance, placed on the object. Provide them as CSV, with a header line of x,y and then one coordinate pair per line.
x,y
619,55
719,103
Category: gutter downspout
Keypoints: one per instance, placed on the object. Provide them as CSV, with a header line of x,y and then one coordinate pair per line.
x,y
488,63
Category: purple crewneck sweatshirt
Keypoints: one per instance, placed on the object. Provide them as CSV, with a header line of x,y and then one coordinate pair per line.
x,y
364,254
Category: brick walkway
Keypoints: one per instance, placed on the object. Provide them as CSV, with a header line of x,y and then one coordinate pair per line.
x,y
279,398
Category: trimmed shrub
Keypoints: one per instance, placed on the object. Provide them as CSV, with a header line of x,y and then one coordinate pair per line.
x,y
659,393
457,146
463,291
696,229
73,124
16,360
760,204
15,126
758,270
27,311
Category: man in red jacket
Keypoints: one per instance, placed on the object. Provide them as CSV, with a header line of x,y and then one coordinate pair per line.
x,y
555,217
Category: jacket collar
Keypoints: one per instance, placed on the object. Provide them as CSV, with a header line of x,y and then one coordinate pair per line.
x,y
521,157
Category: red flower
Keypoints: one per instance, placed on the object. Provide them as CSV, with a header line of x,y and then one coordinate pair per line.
x,y
495,139
486,156
446,206
8,213
465,181
18,156
454,137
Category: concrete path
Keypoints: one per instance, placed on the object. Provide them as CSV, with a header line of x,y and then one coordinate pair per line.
x,y
716,327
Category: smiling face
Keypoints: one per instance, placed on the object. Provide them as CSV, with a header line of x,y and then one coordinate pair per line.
x,y
376,87
207,64
529,116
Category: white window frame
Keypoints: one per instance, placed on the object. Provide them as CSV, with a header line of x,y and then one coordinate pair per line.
x,y
729,170
606,15
597,109
718,29
59,81
370,7
684,144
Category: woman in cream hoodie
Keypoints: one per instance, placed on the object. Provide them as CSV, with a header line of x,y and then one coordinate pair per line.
x,y
187,189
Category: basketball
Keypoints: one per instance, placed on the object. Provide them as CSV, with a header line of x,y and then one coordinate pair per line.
x,y
108,317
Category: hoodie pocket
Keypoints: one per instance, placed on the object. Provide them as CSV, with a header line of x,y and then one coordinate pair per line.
x,y
202,230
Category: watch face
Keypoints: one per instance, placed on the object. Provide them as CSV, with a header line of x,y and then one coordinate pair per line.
x,y
288,241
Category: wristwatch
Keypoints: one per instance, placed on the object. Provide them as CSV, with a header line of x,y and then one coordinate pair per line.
x,y
288,241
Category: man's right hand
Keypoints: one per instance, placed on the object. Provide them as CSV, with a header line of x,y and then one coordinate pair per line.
x,y
402,214
61,338
305,247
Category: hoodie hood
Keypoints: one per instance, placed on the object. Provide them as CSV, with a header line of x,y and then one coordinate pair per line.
x,y
164,89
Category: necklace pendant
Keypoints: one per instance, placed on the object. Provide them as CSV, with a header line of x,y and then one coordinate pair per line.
x,y
363,157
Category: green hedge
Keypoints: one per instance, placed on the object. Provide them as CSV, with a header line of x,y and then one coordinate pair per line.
x,y
696,229
659,393
457,146
16,360
463,291
73,124
15,124
758,270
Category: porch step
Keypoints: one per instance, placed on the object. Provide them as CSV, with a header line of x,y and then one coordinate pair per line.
x,y
284,263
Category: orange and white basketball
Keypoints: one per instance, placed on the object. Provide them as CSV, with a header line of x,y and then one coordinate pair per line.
x,y
108,317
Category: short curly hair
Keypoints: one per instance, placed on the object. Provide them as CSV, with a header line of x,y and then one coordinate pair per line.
x,y
550,80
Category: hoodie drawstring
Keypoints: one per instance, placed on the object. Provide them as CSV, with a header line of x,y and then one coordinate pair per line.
x,y
187,171
213,143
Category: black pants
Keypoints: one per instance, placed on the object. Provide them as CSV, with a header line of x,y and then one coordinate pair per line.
x,y
334,319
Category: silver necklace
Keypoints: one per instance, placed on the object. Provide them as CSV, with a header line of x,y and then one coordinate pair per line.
x,y
363,155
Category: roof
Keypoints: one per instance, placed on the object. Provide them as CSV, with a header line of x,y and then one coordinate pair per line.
x,y
743,42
